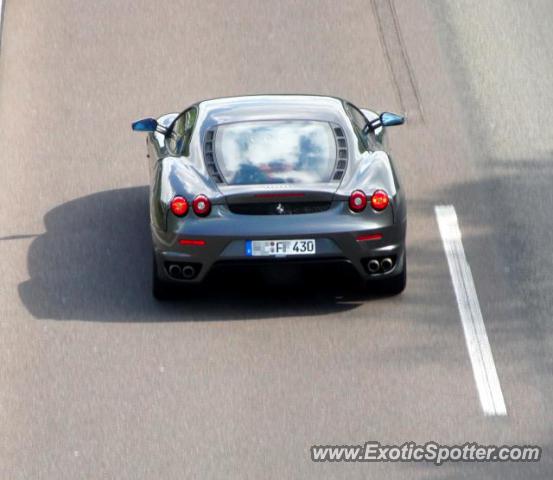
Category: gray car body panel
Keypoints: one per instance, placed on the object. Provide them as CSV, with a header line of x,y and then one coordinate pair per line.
x,y
225,232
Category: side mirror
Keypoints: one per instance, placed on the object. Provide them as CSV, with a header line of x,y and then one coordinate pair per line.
x,y
388,119
145,125
385,119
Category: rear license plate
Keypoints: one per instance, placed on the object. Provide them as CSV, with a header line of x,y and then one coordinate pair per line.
x,y
266,248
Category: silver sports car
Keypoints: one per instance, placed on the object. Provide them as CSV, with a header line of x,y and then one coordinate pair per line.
x,y
274,179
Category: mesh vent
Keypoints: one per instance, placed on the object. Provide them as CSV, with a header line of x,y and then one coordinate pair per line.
x,y
342,154
209,156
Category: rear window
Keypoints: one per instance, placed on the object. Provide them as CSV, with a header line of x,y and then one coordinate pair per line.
x,y
294,151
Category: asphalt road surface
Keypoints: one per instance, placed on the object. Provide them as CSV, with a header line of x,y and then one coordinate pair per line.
x,y
99,381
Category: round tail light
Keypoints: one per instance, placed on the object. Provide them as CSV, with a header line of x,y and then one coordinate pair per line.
x,y
179,206
379,200
201,206
357,201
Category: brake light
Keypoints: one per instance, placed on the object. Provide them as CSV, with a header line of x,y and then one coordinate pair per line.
x,y
179,206
357,201
379,200
201,206
190,241
369,236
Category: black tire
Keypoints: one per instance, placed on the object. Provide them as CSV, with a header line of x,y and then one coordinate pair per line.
x,y
390,286
161,290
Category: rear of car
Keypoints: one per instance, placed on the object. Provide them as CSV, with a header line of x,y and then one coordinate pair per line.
x,y
275,186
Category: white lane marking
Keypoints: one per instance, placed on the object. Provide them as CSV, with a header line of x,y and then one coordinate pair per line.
x,y
478,345
1,19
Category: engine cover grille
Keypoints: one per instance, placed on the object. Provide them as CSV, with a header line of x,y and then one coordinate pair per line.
x,y
277,208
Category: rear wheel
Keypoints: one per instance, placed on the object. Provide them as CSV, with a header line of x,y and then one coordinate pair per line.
x,y
160,290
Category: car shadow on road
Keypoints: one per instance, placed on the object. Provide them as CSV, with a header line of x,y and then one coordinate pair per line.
x,y
94,263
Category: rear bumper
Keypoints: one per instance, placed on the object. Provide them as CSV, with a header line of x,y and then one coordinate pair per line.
x,y
225,237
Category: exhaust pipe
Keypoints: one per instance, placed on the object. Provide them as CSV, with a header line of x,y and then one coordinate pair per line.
x,y
387,264
188,271
373,265
174,270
